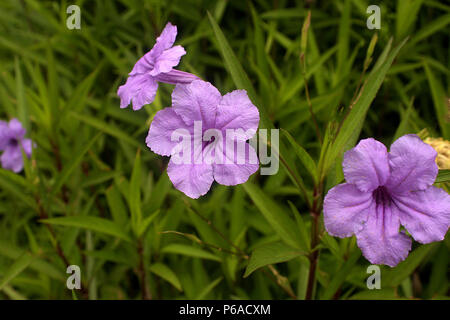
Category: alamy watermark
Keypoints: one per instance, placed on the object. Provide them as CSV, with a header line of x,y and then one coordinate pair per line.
x,y
374,20
74,280
74,20
213,146
373,281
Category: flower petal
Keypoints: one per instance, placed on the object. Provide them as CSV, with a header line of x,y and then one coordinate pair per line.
x,y
345,210
27,146
139,89
366,165
380,239
159,135
176,76
243,165
196,101
16,130
425,213
165,40
194,180
412,163
167,60
236,111
11,159
4,134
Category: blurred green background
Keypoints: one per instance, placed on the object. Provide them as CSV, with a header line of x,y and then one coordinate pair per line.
x,y
113,210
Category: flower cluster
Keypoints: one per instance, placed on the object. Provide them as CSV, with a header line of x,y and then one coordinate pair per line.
x,y
442,148
386,190
201,130
198,113
12,142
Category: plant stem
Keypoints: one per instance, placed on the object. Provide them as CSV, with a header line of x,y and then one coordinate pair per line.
x,y
314,255
145,292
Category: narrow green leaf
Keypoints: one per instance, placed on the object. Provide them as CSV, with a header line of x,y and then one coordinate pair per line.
x,y
439,101
238,74
22,106
352,125
394,277
116,205
68,169
340,276
303,230
190,251
142,227
134,195
91,223
15,269
167,274
106,128
443,176
208,289
270,253
302,155
277,218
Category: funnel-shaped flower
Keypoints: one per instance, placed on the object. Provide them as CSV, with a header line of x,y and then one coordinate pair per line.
x,y
156,65
385,190
213,130
11,143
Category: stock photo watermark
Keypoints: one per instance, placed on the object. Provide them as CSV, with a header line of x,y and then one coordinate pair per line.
x,y
374,280
374,20
213,146
74,20
74,280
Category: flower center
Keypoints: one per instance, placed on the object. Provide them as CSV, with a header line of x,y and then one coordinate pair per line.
x,y
13,142
381,195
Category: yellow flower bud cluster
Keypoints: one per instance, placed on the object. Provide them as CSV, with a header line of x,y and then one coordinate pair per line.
x,y
443,149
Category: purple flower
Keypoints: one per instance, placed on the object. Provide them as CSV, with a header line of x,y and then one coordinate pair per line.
x,y
385,190
156,65
211,126
11,143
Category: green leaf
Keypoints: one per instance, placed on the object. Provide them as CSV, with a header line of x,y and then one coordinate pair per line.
x,y
10,251
406,16
302,155
382,294
16,268
208,289
74,163
134,195
439,101
234,67
142,227
270,254
116,205
22,106
277,218
443,176
352,124
91,223
11,183
190,251
302,228
341,275
166,273
394,277
106,128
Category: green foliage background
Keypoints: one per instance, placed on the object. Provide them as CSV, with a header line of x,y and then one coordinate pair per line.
x,y
94,195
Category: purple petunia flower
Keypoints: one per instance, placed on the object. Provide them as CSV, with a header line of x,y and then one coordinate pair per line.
x,y
11,143
385,190
155,66
213,126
